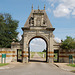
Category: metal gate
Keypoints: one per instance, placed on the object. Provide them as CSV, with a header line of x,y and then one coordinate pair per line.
x,y
19,55
56,55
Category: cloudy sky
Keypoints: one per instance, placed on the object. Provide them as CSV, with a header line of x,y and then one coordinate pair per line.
x,y
60,12
37,45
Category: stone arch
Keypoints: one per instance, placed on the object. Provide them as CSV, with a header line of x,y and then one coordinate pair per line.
x,y
38,36
42,37
38,29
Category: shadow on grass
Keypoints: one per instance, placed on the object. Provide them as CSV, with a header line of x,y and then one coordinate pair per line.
x,y
73,71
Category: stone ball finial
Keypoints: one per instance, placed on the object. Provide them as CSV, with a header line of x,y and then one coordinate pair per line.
x,y
13,40
32,6
44,6
38,7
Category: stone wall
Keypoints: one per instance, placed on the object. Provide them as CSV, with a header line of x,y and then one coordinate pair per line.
x,y
15,46
11,53
8,53
64,56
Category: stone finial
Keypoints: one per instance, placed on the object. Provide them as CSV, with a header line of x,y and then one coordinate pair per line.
x,y
44,6
13,40
32,6
38,7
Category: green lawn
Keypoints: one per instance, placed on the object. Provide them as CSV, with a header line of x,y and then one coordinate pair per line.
x,y
32,54
41,54
3,64
72,65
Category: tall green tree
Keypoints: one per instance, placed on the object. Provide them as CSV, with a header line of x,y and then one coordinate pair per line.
x,y
8,30
68,43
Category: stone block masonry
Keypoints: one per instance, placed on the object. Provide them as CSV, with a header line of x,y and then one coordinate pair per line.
x,y
9,54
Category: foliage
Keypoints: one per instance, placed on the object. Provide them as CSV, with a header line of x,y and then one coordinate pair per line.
x,y
32,54
41,54
68,43
8,28
72,65
55,57
44,50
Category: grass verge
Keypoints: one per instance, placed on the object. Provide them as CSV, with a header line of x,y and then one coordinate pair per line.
x,y
32,54
3,64
41,54
72,65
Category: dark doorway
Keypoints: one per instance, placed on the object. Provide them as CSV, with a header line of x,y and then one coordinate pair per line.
x,y
19,55
56,55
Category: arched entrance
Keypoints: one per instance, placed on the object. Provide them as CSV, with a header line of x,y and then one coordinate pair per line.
x,y
38,26
44,59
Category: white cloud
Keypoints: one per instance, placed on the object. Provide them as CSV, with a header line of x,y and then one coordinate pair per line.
x,y
49,10
37,44
19,37
51,1
73,13
61,11
57,39
52,5
33,44
63,8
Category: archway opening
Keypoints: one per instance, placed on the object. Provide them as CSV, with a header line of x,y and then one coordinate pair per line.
x,y
38,50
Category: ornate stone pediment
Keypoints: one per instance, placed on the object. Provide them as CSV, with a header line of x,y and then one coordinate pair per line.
x,y
38,18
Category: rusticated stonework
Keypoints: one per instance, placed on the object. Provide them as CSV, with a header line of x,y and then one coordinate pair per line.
x,y
38,26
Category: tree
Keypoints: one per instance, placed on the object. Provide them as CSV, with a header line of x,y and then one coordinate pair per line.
x,y
44,50
68,43
8,30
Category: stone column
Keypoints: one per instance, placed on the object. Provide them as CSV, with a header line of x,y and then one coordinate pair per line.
x,y
42,21
34,21
25,49
51,51
48,53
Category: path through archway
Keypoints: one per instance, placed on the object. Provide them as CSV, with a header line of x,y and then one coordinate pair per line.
x,y
37,50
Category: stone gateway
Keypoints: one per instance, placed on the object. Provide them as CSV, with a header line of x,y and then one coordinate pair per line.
x,y
37,25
